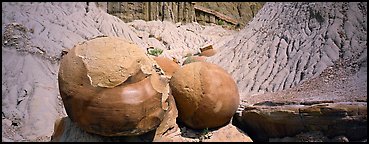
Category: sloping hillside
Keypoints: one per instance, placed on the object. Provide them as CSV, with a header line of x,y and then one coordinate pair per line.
x,y
288,43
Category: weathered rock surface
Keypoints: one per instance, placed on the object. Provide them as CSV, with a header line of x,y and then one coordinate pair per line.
x,y
67,131
241,11
200,101
168,131
228,133
151,11
276,120
182,11
110,87
314,136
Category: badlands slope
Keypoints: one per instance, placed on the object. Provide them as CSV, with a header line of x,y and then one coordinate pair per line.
x,y
34,38
289,43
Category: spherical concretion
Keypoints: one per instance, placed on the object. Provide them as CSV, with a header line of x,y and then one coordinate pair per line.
x,y
109,87
206,95
168,65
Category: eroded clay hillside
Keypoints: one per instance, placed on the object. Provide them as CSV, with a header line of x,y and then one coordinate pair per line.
x,y
288,43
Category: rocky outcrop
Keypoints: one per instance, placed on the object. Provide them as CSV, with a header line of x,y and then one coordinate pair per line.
x,y
151,11
285,119
202,12
243,12
228,133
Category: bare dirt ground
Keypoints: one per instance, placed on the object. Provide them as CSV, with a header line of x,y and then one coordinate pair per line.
x,y
344,82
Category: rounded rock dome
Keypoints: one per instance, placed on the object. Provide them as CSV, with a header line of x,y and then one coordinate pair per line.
x,y
110,87
205,94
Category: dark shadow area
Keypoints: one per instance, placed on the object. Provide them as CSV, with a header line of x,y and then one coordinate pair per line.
x,y
147,137
246,129
194,133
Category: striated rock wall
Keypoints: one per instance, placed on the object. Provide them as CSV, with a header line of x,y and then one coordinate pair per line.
x,y
169,11
234,12
243,12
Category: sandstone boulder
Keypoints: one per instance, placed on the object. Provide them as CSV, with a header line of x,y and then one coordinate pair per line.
x,y
110,87
67,131
205,94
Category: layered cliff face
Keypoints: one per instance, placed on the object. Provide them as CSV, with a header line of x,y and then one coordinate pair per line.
x,y
184,12
169,11
288,43
241,11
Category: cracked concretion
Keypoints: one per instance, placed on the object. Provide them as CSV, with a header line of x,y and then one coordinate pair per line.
x,y
111,61
109,87
205,94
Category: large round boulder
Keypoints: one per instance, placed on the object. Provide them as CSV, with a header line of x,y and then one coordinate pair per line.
x,y
205,94
110,87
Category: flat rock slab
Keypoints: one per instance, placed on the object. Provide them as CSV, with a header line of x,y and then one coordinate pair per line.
x,y
275,120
